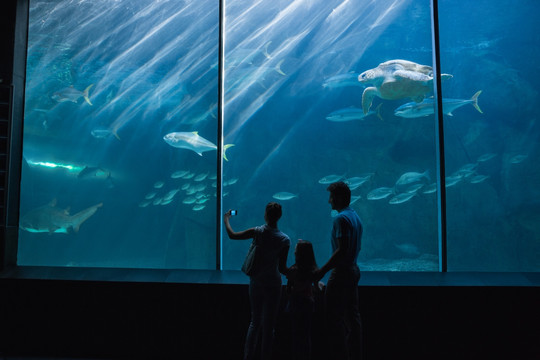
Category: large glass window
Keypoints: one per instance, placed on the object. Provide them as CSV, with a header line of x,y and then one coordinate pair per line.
x,y
492,147
121,130
103,184
293,110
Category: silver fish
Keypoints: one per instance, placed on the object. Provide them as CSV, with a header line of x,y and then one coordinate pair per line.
x,y
352,114
342,80
380,193
330,179
427,107
72,94
192,141
284,195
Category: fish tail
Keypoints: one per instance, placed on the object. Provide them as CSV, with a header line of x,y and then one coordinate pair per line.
x,y
278,68
225,147
85,94
475,101
378,112
265,52
115,134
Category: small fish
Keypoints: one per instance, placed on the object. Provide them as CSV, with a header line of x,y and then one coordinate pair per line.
x,y
72,94
192,141
144,203
330,179
158,184
231,181
401,198
452,180
170,195
200,177
479,178
150,195
185,186
486,157
188,176
198,207
166,201
101,133
284,196
352,114
355,182
412,177
157,201
342,80
380,193
178,174
517,159
427,107
189,200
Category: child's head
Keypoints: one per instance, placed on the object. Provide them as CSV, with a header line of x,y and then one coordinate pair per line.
x,y
305,257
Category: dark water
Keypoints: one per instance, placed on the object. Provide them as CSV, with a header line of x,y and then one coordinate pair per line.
x,y
153,70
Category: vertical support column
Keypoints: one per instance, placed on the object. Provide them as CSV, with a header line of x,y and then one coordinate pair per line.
x,y
219,187
439,127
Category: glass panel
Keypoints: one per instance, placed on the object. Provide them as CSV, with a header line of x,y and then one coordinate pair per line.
x,y
106,82
293,110
492,138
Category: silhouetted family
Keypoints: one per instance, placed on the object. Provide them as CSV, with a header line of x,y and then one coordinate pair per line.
x,y
267,258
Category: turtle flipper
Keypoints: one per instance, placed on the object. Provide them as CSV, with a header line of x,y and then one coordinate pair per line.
x,y
367,98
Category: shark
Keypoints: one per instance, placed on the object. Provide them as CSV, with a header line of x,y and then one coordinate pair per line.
x,y
193,141
72,94
50,219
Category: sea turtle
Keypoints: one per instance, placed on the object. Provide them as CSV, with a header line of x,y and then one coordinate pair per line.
x,y
397,79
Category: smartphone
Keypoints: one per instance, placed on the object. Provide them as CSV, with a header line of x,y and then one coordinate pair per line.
x,y
233,212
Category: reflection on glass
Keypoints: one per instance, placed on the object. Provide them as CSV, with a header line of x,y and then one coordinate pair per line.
x,y
107,83
493,202
310,95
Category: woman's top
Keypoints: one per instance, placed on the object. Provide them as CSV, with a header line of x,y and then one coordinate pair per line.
x,y
271,243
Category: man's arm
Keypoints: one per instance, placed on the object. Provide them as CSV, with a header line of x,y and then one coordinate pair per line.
x,y
334,259
282,265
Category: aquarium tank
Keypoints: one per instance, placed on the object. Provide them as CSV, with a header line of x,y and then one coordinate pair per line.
x,y
146,120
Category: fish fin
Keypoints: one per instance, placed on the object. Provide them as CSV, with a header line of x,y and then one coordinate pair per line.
x,y
475,101
278,67
195,132
450,114
199,153
378,112
85,94
225,147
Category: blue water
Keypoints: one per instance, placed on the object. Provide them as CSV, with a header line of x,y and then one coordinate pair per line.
x,y
153,67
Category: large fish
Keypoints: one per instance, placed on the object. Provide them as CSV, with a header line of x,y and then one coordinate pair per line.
x,y
427,107
72,94
352,113
192,141
51,219
342,80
